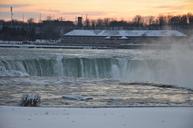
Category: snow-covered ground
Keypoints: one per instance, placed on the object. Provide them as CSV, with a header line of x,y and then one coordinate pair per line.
x,y
20,117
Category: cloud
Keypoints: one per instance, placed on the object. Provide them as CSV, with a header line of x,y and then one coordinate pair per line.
x,y
176,7
169,6
18,15
50,10
93,13
13,5
74,13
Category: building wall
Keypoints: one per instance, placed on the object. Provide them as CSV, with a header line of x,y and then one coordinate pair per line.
x,y
114,40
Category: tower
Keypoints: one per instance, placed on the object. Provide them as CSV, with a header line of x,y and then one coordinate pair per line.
x,y
79,21
11,10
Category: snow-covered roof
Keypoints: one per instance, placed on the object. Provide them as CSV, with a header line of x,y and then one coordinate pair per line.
x,y
123,38
124,33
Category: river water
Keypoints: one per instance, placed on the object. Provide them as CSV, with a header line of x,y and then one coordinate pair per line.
x,y
101,74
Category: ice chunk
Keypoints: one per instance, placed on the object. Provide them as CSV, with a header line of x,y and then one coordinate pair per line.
x,y
76,97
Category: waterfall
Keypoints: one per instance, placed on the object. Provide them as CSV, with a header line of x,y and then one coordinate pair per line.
x,y
82,68
123,69
115,72
96,69
58,67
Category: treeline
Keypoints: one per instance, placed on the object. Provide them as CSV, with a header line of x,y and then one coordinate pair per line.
x,y
140,22
55,28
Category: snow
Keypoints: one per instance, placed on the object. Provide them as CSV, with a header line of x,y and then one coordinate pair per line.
x,y
169,117
108,37
123,38
79,32
124,33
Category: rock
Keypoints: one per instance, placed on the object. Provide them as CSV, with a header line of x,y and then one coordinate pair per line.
x,y
76,97
32,100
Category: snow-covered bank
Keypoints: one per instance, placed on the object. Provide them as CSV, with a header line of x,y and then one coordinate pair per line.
x,y
18,117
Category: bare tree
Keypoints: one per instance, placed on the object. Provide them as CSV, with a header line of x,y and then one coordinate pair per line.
x,y
93,23
150,20
107,22
49,18
162,20
99,23
87,23
30,21
138,20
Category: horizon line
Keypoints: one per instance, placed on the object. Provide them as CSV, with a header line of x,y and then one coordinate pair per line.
x,y
85,17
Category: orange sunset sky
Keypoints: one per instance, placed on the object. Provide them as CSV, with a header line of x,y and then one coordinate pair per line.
x,y
69,9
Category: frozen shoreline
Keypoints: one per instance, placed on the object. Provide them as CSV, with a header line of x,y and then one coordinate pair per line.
x,y
159,117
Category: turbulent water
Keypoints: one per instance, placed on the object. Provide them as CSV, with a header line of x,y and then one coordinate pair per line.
x,y
21,68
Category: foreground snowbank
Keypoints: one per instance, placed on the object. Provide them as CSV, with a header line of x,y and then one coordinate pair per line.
x,y
19,117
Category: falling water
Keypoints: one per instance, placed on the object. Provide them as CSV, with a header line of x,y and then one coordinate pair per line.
x,y
59,66
127,66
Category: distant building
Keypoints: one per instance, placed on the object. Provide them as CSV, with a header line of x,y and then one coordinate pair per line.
x,y
1,25
80,24
17,26
124,33
118,38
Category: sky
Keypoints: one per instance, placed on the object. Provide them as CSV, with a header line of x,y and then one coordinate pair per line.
x,y
93,9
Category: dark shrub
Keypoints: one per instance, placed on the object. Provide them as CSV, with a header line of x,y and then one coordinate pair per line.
x,y
32,100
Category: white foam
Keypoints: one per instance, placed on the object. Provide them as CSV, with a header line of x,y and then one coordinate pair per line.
x,y
4,72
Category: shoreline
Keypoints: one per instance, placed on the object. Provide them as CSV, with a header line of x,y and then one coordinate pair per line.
x,y
80,46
